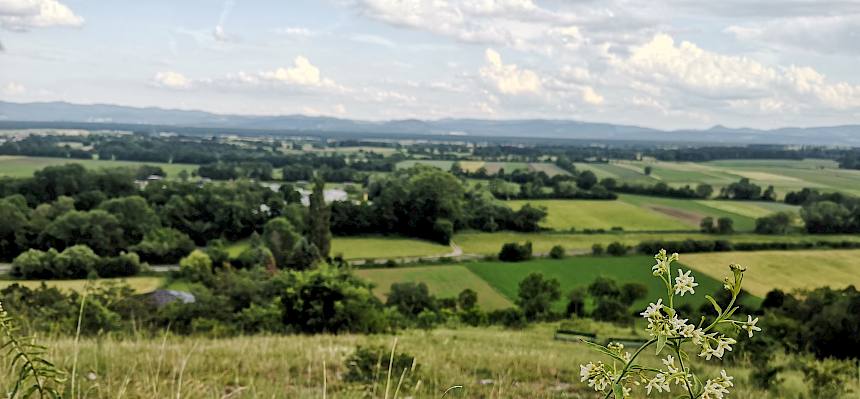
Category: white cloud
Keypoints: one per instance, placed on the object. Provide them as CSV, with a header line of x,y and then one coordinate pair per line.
x,y
590,96
14,89
23,15
302,73
508,79
698,74
172,80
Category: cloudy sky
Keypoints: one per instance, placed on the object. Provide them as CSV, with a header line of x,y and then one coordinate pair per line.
x,y
656,63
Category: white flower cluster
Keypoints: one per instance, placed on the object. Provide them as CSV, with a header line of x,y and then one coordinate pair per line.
x,y
664,261
672,375
599,376
718,387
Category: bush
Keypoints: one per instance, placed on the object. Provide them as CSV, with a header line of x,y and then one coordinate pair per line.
x,y
34,264
536,296
124,265
616,249
725,225
75,262
370,364
557,252
196,267
163,245
778,223
597,249
410,298
473,317
467,299
514,252
610,309
513,318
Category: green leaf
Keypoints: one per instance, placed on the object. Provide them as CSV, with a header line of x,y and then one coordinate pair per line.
x,y
618,390
661,343
714,302
603,350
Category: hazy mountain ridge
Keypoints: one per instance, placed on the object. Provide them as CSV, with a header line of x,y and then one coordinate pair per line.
x,y
546,128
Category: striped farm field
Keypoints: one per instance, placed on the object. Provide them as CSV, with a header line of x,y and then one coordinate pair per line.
x,y
443,282
581,271
368,247
786,270
490,243
444,165
550,169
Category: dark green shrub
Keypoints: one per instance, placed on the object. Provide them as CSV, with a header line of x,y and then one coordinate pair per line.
x,y
616,249
123,265
597,249
370,364
557,252
514,252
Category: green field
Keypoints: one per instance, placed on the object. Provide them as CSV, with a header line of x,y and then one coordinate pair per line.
x,y
139,284
385,247
443,282
582,271
444,165
369,247
587,214
786,270
491,243
15,166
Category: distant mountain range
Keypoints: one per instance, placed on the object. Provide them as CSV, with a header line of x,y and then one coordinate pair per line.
x,y
58,112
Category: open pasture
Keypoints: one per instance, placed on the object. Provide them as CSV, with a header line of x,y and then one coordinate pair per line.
x,y
587,214
786,270
444,281
369,247
18,166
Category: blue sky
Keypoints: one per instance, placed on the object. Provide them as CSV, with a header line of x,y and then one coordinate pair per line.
x,y
660,63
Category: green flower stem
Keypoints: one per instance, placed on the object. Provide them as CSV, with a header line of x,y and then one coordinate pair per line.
x,y
683,370
630,363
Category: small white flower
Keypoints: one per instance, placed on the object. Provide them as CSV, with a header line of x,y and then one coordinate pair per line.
x,y
750,325
653,309
685,283
658,382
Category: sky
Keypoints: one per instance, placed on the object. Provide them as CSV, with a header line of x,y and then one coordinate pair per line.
x,y
667,64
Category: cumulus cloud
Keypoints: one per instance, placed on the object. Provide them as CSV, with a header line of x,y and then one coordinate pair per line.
x,y
23,15
735,80
302,75
508,78
171,80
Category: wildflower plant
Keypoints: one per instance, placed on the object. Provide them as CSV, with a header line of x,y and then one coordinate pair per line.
x,y
671,333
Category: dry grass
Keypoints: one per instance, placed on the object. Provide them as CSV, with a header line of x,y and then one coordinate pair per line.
x,y
486,362
139,284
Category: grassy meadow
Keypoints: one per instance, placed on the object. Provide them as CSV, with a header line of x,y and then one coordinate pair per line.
x,y
444,281
140,284
486,362
369,247
786,270
588,214
18,166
